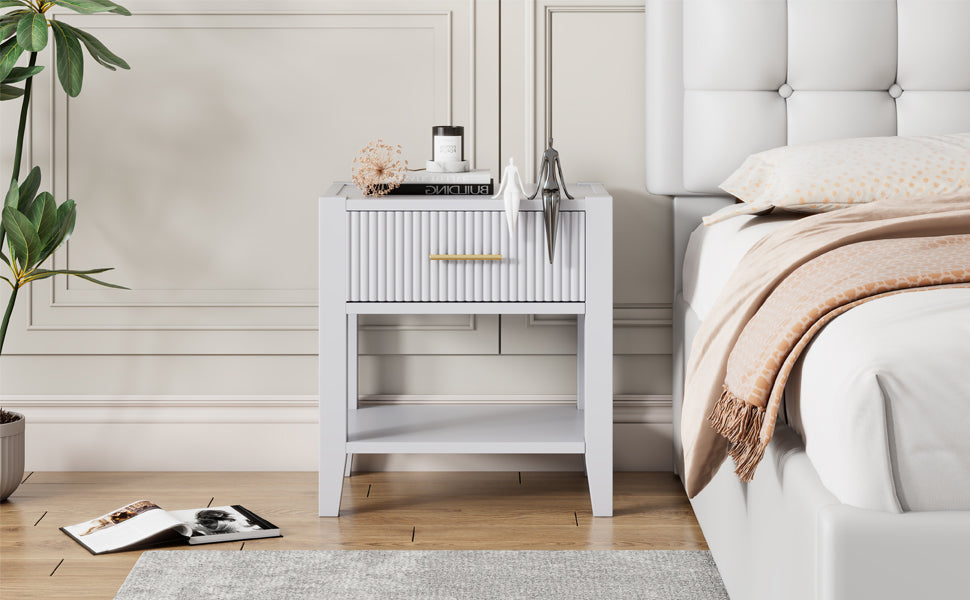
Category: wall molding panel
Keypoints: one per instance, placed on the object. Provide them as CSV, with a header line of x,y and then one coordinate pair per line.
x,y
542,15
197,175
563,84
214,315
428,334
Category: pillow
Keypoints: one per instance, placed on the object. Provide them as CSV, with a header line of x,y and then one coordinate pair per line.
x,y
823,176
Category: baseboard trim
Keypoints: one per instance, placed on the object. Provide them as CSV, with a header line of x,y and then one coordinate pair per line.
x,y
279,409
279,433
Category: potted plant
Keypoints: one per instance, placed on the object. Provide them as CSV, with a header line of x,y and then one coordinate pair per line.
x,y
11,452
33,224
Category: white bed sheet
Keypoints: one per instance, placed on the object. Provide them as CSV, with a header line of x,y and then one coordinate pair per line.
x,y
881,396
713,252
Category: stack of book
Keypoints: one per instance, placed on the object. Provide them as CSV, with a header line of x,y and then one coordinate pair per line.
x,y
424,183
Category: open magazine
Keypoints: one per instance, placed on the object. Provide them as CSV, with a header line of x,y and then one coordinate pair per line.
x,y
143,523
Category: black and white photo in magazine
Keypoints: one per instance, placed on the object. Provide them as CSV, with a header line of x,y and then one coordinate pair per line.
x,y
219,520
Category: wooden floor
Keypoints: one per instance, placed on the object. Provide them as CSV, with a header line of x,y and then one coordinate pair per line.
x,y
403,511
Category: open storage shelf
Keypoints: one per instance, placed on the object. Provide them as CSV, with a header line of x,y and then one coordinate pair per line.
x,y
476,429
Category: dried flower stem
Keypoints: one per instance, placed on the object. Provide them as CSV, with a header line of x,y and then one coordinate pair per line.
x,y
378,168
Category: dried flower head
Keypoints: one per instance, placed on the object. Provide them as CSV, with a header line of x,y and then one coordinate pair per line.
x,y
379,168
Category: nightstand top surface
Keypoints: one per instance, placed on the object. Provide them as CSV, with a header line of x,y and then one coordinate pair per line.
x,y
355,200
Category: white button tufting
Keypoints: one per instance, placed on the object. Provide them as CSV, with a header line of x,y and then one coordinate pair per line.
x,y
883,67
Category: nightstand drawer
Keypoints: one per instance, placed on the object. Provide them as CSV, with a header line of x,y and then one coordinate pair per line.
x,y
475,260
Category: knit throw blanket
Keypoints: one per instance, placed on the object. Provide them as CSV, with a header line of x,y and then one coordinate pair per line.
x,y
785,290
812,295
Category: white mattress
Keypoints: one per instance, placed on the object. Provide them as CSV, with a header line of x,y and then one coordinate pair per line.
x,y
714,251
881,396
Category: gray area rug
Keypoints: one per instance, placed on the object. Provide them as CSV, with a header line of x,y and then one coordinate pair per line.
x,y
400,574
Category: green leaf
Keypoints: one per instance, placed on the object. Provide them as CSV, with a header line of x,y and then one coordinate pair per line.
x,y
93,280
14,15
7,29
22,237
8,23
49,272
28,189
9,92
38,274
99,282
32,32
66,217
98,51
43,215
10,51
70,62
115,8
86,7
21,73
70,271
9,3
13,195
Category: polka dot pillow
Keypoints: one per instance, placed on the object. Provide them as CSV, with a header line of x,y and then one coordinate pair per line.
x,y
834,174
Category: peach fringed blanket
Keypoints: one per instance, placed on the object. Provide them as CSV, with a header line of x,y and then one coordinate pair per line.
x,y
786,288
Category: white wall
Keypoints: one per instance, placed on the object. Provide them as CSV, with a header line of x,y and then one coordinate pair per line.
x,y
196,175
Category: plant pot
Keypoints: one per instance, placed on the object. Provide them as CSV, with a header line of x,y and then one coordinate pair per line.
x,y
11,456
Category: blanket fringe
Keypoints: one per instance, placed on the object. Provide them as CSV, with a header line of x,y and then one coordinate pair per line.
x,y
740,423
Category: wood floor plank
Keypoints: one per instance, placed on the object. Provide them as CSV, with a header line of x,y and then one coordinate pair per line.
x,y
445,511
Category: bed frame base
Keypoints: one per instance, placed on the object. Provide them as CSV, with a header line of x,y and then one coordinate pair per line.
x,y
784,535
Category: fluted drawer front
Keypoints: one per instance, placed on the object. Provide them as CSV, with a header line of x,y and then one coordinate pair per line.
x,y
390,257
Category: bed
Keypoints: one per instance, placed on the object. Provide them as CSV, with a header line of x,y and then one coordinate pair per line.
x,y
730,78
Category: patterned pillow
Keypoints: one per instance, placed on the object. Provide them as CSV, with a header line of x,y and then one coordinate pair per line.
x,y
823,176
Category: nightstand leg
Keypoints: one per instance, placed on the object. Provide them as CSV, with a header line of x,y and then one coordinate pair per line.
x,y
597,336
598,391
333,368
333,409
581,369
580,362
352,393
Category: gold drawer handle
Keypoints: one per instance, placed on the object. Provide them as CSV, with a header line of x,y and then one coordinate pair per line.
x,y
466,257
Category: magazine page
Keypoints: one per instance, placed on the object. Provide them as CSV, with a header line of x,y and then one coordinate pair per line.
x,y
124,527
223,523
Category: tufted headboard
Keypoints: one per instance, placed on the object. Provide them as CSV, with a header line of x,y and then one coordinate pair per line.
x,y
728,78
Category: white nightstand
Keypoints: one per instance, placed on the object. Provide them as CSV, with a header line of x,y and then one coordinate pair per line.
x,y
375,258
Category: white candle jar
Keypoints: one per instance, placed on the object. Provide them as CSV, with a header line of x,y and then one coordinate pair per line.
x,y
448,143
